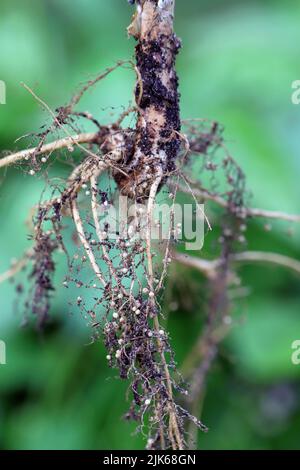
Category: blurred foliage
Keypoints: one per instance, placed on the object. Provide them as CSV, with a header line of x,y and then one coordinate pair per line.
x,y
237,64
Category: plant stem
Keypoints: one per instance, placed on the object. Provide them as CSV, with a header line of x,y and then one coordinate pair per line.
x,y
157,99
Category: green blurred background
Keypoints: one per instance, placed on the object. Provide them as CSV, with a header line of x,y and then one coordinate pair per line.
x,y
237,65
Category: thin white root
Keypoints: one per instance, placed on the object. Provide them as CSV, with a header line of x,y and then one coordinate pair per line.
x,y
87,247
48,148
267,257
150,207
248,212
16,267
197,203
75,140
209,268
